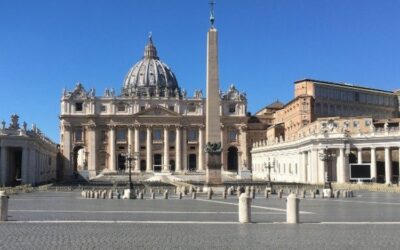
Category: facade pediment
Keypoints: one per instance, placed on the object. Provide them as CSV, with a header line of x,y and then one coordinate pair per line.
x,y
158,111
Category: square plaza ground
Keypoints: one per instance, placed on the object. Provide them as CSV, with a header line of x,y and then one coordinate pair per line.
x,y
64,220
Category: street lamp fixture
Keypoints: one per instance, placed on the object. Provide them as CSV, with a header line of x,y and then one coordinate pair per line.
x,y
269,166
129,157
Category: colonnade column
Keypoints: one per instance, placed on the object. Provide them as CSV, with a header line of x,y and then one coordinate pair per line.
x,y
25,166
112,159
165,167
340,167
359,155
178,150
373,164
314,166
388,166
149,153
201,148
184,149
3,166
137,148
130,138
304,166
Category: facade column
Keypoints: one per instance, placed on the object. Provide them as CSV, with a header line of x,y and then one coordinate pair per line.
x,y
373,164
111,142
388,166
92,150
178,150
165,167
359,155
184,149
201,148
25,166
304,166
137,148
322,168
149,150
130,138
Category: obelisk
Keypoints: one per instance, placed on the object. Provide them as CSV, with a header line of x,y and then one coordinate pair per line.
x,y
213,127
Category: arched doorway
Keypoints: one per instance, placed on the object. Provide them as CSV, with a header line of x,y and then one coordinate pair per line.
x,y
79,159
232,159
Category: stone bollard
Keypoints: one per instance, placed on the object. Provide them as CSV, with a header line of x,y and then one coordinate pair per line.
x,y
166,195
312,194
96,194
104,194
351,193
292,209
153,195
141,194
110,194
209,194
198,189
3,206
224,193
304,194
83,194
247,191
244,208
194,195
118,195
322,195
337,194
180,195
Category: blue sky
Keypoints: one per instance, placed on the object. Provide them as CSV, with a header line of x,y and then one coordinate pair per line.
x,y
265,45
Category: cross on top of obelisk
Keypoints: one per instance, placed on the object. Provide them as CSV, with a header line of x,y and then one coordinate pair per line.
x,y
212,18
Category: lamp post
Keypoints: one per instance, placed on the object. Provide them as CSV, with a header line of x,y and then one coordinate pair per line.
x,y
327,157
268,166
129,157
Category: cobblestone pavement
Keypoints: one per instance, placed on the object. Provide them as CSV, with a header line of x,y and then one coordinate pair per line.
x,y
50,220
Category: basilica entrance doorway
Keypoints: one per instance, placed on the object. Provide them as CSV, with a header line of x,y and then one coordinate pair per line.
x,y
157,166
192,162
79,158
121,162
142,165
232,159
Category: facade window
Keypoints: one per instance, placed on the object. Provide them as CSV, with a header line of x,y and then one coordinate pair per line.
x,y
142,108
103,108
232,135
232,108
192,135
157,134
78,134
171,136
78,106
172,108
121,108
142,136
121,134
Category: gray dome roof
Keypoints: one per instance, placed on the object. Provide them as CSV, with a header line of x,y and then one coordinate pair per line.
x,y
150,74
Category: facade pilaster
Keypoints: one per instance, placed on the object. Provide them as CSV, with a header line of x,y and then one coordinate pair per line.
x,y
184,149
92,150
66,150
149,150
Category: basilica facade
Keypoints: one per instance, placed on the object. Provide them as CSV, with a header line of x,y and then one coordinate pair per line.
x,y
154,119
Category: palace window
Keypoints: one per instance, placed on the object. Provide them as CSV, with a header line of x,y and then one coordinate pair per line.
x,y
103,108
121,134
191,107
171,136
172,108
142,136
78,106
142,108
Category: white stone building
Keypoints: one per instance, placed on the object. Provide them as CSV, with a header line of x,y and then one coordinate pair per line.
x,y
26,156
348,141
152,116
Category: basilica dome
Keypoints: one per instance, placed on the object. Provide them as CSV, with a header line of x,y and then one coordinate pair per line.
x,y
150,76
